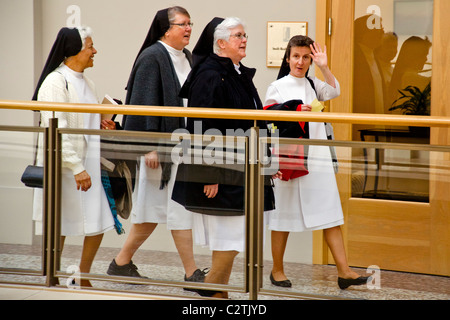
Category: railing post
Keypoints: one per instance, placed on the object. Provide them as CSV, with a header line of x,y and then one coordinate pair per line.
x,y
50,206
254,225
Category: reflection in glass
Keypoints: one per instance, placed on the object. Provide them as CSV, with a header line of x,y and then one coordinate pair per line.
x,y
408,165
20,247
392,75
158,257
385,173
306,200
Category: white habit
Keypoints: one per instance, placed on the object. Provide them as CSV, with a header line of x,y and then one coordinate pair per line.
x,y
310,202
82,213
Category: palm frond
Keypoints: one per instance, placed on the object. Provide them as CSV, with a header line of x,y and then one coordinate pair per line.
x,y
413,101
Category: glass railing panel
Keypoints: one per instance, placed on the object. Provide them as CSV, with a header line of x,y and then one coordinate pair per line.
x,y
306,198
381,235
21,240
163,238
400,173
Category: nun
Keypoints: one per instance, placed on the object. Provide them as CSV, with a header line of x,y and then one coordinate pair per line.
x,y
85,210
216,194
308,202
161,67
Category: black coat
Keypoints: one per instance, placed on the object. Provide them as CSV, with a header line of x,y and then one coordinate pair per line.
x,y
216,84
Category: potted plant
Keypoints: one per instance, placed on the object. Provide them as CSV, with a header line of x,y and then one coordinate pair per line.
x,y
413,101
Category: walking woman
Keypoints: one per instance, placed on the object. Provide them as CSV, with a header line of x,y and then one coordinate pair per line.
x,y
218,80
85,209
309,202
161,67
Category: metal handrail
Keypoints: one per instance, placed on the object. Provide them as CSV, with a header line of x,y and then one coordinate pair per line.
x,y
245,114
224,113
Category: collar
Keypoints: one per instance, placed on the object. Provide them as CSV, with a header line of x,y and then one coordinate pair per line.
x,y
230,66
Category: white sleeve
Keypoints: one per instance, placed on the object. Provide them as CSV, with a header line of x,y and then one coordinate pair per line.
x,y
272,96
326,92
53,89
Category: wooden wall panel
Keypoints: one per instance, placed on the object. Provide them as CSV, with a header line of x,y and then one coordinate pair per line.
x,y
440,97
393,235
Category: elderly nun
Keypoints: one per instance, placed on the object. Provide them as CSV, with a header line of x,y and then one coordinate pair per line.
x,y
85,210
216,194
161,67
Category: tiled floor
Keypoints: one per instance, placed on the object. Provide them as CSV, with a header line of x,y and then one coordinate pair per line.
x,y
309,281
24,292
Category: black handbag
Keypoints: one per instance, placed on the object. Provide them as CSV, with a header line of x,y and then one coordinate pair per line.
x,y
33,176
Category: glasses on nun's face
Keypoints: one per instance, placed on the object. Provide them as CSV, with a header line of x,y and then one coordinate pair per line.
x,y
183,25
240,36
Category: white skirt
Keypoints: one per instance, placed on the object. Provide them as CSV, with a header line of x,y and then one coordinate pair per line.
x,y
152,205
219,233
82,213
310,202
288,214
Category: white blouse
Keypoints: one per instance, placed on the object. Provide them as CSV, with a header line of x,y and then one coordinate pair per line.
x,y
299,206
65,85
181,65
290,87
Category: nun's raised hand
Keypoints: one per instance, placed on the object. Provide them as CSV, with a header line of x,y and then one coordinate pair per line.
x,y
318,55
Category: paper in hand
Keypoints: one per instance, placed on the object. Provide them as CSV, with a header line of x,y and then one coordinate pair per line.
x,y
316,106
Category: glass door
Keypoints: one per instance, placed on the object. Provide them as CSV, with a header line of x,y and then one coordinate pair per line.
x,y
392,198
392,49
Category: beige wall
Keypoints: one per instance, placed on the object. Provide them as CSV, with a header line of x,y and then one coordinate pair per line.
x,y
29,27
120,28
16,56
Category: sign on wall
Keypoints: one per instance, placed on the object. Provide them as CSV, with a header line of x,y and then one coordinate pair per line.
x,y
278,36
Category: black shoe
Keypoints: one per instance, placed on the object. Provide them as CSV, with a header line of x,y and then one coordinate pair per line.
x,y
197,276
207,293
345,283
127,270
283,283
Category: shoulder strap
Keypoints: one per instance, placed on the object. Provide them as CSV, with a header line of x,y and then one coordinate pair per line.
x,y
311,82
67,85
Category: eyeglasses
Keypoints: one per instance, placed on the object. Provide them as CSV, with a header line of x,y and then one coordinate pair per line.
x,y
240,36
183,25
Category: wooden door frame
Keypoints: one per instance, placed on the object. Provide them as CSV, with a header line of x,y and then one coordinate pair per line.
x,y
341,13
323,14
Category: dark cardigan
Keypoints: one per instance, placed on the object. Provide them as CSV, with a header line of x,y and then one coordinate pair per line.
x,y
154,82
